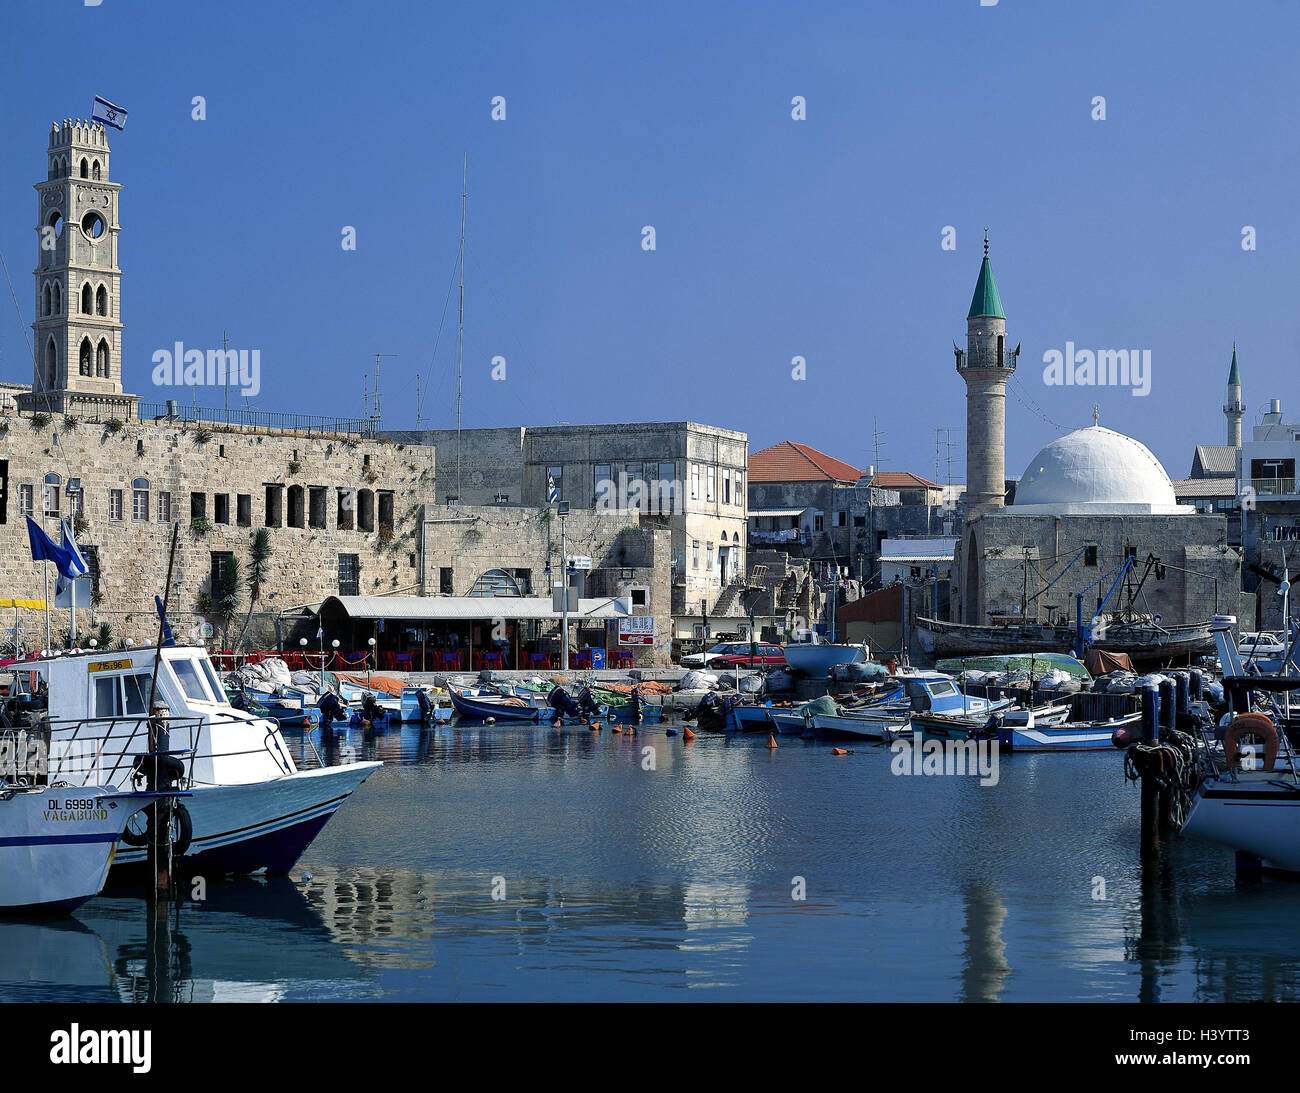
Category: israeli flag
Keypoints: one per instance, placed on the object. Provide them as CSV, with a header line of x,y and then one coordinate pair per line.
x,y
76,561
109,114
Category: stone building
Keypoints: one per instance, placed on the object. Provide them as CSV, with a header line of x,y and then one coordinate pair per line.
x,y
1086,501
683,476
476,466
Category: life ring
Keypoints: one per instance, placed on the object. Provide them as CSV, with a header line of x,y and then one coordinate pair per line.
x,y
1251,724
182,836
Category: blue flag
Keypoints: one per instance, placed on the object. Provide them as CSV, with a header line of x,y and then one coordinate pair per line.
x,y
44,549
109,114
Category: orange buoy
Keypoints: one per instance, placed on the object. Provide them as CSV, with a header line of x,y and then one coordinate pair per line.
x,y
617,728
595,728
771,740
839,751
687,734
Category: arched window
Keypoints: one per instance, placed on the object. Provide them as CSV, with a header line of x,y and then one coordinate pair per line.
x,y
140,483
101,359
54,168
58,298
1001,339
94,170
51,364
83,359
85,168
45,298
86,296
101,301
495,582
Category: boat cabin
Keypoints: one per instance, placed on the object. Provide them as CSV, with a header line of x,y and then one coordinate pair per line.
x,y
98,704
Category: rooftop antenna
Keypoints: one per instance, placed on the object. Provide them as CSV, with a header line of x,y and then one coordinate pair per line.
x,y
417,402
378,414
460,343
1096,414
225,387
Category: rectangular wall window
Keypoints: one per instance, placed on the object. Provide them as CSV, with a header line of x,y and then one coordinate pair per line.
x,y
217,571
695,481
295,507
221,508
244,510
316,506
139,504
708,558
347,509
274,505
115,504
665,491
76,503
198,506
445,584
602,485
349,575
695,554
50,499
726,486
386,522
710,495
164,507
25,500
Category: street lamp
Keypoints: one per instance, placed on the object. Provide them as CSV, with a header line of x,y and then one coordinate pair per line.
x,y
370,661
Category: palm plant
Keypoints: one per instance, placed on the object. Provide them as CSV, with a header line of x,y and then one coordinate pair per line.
x,y
259,559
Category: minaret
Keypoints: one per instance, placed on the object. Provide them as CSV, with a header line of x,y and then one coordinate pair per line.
x,y
78,328
986,365
1234,409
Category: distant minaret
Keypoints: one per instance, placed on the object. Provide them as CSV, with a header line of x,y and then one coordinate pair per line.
x,y
78,327
1234,409
986,365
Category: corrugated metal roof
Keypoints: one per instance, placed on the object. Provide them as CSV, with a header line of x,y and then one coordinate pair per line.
x,y
470,607
776,512
791,462
1205,487
913,549
1214,461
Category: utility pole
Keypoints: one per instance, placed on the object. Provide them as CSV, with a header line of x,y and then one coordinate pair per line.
x,y
563,509
460,357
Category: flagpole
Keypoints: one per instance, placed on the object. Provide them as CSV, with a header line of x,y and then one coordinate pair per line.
x,y
46,569
72,634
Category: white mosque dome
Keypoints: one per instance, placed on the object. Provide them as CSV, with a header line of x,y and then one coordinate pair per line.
x,y
1099,471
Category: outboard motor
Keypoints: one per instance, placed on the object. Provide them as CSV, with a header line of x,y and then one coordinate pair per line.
x,y
587,703
638,704
331,710
711,713
563,703
426,706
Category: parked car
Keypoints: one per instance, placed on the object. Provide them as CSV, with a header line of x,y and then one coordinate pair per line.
x,y
745,656
706,658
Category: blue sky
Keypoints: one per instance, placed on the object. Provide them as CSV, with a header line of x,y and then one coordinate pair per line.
x,y
775,238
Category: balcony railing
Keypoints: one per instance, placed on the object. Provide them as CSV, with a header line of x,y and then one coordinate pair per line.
x,y
1273,487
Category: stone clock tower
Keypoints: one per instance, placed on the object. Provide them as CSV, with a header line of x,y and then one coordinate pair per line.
x,y
78,327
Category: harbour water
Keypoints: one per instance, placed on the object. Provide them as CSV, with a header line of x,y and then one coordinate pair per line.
x,y
619,882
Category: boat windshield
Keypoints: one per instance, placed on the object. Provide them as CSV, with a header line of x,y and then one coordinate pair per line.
x,y
218,691
190,678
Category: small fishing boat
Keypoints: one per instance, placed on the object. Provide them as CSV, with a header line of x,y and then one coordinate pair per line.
x,y
498,706
1065,736
920,692
764,717
959,726
815,658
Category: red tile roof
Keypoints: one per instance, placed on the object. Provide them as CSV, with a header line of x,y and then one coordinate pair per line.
x,y
791,462
895,480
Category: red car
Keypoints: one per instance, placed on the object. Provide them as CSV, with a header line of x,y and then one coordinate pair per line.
x,y
766,655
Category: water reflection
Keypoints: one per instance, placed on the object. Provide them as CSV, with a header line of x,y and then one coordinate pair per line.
x,y
984,965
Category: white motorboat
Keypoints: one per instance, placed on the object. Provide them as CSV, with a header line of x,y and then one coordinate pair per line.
x,y
815,658
251,808
923,692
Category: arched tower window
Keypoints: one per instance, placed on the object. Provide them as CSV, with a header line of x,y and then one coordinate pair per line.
x,y
94,170
101,301
1001,339
83,359
51,364
58,298
85,298
85,168
45,298
101,359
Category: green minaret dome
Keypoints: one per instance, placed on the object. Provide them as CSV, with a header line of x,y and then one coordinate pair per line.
x,y
1234,376
986,303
